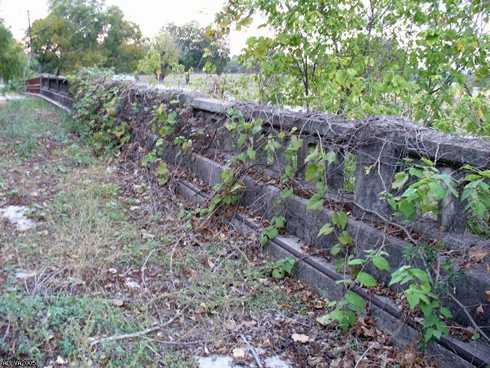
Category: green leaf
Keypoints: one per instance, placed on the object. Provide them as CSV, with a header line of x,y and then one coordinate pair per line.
x,y
283,267
288,264
400,276
162,173
471,177
421,275
485,173
326,229
331,157
344,317
340,219
399,181
230,126
336,249
437,190
264,239
251,153
277,273
381,263
356,262
345,238
413,298
366,279
407,209
357,303
278,222
311,172
446,312
315,203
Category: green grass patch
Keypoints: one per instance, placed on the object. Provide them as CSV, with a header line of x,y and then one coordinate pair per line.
x,y
44,328
23,123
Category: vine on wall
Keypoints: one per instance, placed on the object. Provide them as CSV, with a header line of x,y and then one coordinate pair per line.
x,y
416,190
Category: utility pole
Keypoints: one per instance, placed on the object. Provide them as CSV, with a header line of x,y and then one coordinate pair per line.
x,y
29,31
29,36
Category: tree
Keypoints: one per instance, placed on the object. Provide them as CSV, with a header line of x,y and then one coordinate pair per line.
x,y
191,43
12,57
199,47
365,57
123,44
79,33
216,54
162,55
235,65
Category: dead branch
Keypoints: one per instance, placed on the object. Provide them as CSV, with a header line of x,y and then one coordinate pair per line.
x,y
135,334
470,318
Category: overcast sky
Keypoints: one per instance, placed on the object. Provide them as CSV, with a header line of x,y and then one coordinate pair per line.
x,y
151,15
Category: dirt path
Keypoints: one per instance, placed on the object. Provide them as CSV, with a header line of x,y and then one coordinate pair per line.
x,y
120,273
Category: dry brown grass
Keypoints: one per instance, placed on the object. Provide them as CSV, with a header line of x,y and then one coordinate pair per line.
x,y
86,237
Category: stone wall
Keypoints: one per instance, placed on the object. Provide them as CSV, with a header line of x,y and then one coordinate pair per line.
x,y
376,146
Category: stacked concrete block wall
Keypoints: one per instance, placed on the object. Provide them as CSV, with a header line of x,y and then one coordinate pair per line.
x,y
377,147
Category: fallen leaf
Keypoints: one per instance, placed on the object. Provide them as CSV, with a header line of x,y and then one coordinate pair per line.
x,y
480,310
248,324
477,254
487,295
368,332
230,325
118,302
408,358
300,338
146,235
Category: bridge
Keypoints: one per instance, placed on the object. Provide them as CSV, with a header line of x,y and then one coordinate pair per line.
x,y
368,156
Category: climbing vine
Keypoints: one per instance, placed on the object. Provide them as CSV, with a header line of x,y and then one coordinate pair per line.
x,y
425,187
417,190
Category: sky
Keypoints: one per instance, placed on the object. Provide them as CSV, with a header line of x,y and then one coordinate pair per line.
x,y
150,15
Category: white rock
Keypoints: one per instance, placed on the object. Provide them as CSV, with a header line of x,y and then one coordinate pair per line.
x,y
276,362
16,215
132,284
24,275
239,353
215,361
223,361
60,360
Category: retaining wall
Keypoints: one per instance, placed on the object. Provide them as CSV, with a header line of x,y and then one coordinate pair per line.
x,y
376,146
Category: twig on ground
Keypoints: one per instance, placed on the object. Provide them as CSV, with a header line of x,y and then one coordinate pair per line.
x,y
363,355
143,268
174,247
252,351
135,334
177,343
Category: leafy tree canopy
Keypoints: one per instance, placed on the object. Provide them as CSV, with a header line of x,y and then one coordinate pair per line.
x,y
200,47
423,59
161,57
12,57
80,33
